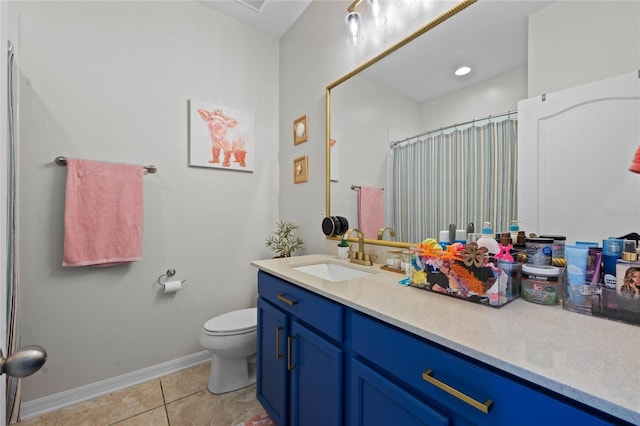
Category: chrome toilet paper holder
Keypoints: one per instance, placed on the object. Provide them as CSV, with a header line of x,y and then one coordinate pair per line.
x,y
170,273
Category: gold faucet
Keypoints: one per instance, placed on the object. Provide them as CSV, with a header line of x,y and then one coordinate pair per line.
x,y
381,232
359,257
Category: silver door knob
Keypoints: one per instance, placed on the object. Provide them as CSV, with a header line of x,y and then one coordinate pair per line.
x,y
24,362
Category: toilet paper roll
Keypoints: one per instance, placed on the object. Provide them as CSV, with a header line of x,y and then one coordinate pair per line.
x,y
172,286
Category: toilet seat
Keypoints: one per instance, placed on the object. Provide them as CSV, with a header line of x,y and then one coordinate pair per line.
x,y
236,322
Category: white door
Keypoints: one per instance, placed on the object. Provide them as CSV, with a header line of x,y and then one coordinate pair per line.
x,y
574,153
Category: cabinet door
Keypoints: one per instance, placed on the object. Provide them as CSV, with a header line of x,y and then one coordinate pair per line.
x,y
316,379
377,401
272,356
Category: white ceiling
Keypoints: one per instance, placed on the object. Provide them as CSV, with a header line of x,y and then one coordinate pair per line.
x,y
273,17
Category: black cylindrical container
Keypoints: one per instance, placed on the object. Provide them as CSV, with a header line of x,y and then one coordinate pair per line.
x,y
334,225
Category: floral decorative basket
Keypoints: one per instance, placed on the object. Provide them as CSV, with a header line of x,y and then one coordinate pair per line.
x,y
465,272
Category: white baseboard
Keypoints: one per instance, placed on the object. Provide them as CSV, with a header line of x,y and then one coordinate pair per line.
x,y
54,402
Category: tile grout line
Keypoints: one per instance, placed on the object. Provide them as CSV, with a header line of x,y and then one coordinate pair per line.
x,y
164,400
146,411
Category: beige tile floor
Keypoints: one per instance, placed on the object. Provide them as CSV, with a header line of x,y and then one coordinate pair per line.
x,y
180,398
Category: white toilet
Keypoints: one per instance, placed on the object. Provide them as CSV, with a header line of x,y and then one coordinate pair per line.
x,y
232,339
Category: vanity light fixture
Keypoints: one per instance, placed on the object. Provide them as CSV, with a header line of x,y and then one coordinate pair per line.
x,y
376,13
354,21
463,70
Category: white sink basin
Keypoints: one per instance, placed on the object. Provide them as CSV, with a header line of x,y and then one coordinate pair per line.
x,y
332,271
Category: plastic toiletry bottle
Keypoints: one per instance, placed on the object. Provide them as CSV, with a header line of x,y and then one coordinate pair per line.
x,y
577,259
611,252
513,230
487,239
406,263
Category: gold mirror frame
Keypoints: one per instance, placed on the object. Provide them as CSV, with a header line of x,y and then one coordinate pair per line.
x,y
420,31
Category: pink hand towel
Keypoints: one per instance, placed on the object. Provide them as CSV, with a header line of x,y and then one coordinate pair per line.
x,y
370,211
103,213
635,164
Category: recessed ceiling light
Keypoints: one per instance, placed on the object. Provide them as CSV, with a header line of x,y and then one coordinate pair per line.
x,y
463,71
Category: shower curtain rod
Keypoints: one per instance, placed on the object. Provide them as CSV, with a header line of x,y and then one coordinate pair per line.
x,y
62,161
508,113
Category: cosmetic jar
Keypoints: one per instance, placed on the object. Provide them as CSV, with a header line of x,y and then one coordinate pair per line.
x,y
558,245
541,284
539,251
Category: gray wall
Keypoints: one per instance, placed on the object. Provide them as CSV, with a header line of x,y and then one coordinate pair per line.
x,y
110,81
573,43
308,63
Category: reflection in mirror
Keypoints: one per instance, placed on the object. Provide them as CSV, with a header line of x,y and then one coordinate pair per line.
x,y
464,174
385,102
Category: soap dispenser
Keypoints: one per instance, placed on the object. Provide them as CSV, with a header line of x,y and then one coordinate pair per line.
x,y
487,239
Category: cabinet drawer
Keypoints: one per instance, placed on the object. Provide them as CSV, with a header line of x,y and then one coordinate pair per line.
x,y
320,313
463,386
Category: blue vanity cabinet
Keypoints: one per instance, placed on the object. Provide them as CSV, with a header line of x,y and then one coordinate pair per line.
x,y
454,389
271,382
300,358
375,400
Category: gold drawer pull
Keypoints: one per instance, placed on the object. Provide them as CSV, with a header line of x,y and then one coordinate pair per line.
x,y
428,376
278,354
285,300
289,365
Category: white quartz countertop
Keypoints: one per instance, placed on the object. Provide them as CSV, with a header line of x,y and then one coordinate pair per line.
x,y
592,360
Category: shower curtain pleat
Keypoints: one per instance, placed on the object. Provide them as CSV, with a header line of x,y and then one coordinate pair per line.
x,y
437,178
13,339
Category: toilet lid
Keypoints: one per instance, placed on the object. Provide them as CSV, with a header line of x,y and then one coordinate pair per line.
x,y
235,321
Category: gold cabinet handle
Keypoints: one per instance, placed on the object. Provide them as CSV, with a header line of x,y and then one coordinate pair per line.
x,y
285,300
428,376
278,354
289,365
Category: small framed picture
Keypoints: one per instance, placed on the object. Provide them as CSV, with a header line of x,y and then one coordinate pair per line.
x,y
300,170
300,128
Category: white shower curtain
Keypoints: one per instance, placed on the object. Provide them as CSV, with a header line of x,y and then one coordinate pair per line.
x,y
462,176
